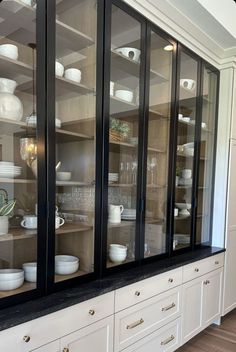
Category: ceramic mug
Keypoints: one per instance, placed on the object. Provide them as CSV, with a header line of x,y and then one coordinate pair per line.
x,y
115,212
29,222
59,222
189,84
187,173
73,74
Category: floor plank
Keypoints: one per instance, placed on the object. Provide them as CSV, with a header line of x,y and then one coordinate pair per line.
x,y
215,338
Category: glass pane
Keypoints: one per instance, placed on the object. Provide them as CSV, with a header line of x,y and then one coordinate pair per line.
x,y
185,151
158,142
75,137
18,148
123,137
205,186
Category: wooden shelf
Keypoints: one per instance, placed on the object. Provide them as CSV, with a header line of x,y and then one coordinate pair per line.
x,y
64,136
190,156
191,124
74,183
66,88
116,145
154,221
111,265
13,68
73,228
59,278
9,127
120,106
16,180
123,223
27,286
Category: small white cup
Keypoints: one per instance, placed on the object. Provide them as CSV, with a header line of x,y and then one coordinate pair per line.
x,y
176,212
59,222
59,69
187,173
73,74
9,50
29,222
187,83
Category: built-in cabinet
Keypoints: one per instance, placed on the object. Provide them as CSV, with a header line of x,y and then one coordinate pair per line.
x,y
108,131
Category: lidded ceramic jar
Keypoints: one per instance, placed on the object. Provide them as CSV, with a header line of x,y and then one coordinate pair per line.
x,y
10,105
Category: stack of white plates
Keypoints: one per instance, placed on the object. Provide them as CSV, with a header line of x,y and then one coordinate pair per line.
x,y
113,177
182,238
10,279
8,169
185,182
128,214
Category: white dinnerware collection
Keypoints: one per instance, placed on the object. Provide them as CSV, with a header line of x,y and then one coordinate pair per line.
x,y
9,170
10,105
131,53
63,176
124,94
128,214
117,253
186,177
11,279
184,208
72,74
113,177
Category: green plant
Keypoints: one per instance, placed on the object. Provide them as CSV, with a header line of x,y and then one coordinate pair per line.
x,y
178,171
120,127
6,207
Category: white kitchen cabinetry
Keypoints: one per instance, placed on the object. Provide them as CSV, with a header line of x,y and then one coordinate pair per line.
x,y
201,303
96,337
51,347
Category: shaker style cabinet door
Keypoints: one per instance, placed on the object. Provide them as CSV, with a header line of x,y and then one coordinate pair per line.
x,y
97,336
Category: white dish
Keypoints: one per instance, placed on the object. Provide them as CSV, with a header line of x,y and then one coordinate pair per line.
x,y
117,257
59,69
73,74
11,274
183,205
30,270
185,182
11,284
117,247
125,95
182,239
58,123
126,217
7,163
9,50
66,264
63,176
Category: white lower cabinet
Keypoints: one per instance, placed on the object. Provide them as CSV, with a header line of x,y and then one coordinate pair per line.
x,y
201,303
51,347
96,337
166,339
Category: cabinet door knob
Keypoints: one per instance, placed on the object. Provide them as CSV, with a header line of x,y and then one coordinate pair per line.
x,y
26,338
197,270
217,262
137,293
91,311
66,349
171,280
205,282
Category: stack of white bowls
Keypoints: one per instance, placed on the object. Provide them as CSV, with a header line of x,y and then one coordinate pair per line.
x,y
128,214
66,264
9,170
10,279
113,177
117,253
30,270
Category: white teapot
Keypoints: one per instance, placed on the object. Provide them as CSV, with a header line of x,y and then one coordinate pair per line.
x,y
114,213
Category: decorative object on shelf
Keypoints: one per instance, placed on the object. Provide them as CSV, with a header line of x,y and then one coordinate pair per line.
x,y
63,176
66,264
183,118
31,120
11,279
9,170
28,152
29,222
188,84
6,209
131,53
73,74
58,220
186,173
184,208
30,270
113,177
114,213
59,69
10,105
112,85
124,94
118,131
9,50
128,214
117,253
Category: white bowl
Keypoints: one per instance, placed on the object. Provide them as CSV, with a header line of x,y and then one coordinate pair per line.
x,y
183,205
9,50
117,246
11,284
123,94
66,264
59,69
73,74
11,274
117,257
63,176
30,270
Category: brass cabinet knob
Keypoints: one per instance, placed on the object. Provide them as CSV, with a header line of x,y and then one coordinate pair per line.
x,y
137,293
217,262
26,338
91,311
197,270
66,349
171,280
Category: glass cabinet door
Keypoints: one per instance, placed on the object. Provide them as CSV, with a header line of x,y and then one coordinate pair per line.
x,y
123,137
187,120
18,148
75,125
207,152
159,117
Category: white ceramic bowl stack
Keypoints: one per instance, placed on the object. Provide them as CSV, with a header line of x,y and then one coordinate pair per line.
x,y
128,214
66,264
9,50
113,177
9,170
30,270
11,279
124,94
63,176
117,253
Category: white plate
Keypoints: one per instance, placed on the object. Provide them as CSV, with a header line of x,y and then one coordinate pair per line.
x,y
124,217
181,238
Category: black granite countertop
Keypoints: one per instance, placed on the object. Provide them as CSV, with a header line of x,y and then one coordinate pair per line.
x,y
24,312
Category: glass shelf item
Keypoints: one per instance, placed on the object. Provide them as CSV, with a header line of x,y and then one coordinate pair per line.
x,y
18,149
75,69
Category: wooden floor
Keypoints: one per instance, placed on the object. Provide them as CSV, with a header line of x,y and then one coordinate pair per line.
x,y
215,338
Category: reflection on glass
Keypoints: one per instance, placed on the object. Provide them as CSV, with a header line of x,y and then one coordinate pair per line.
x,y
158,142
123,137
205,185
185,151
18,149
75,69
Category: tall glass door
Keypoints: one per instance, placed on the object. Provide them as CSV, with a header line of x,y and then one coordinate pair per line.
x,y
123,137
75,125
159,118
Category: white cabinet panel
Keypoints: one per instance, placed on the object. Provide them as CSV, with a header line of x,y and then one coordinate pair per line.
x,y
96,337
231,206
229,295
51,347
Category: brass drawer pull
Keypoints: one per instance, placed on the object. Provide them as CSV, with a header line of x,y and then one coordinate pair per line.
x,y
66,349
165,342
137,293
197,270
172,305
91,311
171,280
133,325
26,338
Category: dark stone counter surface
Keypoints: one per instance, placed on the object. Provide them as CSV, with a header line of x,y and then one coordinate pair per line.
x,y
24,312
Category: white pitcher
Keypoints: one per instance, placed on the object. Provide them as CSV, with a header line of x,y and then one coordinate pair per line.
x,y
114,212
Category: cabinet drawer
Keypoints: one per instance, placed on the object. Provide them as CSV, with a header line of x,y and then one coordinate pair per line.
x,y
142,290
136,322
53,326
166,339
202,267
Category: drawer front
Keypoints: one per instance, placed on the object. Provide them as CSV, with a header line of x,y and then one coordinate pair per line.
x,y
39,332
142,319
202,267
166,339
142,290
